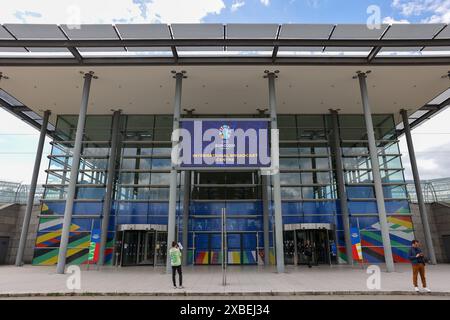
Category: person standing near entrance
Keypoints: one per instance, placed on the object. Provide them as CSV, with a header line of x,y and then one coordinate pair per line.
x,y
417,259
175,261
307,251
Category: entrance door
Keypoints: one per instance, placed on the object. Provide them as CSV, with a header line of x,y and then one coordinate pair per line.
x,y
318,240
446,241
4,243
149,252
130,246
160,248
143,248
289,247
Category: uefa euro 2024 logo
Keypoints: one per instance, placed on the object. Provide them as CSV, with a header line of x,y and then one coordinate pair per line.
x,y
225,132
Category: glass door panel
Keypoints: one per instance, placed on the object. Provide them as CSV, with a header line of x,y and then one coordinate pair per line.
x,y
161,248
289,247
234,248
249,244
201,244
149,248
215,253
130,248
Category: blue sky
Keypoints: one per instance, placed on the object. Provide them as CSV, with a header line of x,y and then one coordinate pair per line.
x,y
18,141
299,11
169,11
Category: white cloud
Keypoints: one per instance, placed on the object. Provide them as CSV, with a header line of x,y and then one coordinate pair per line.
x,y
265,2
107,11
236,5
18,142
435,10
66,11
390,20
313,3
170,11
432,146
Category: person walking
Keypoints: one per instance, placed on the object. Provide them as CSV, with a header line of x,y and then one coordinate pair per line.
x,y
417,259
307,251
175,261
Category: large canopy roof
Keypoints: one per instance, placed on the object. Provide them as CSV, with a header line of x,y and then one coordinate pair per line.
x,y
223,44
41,67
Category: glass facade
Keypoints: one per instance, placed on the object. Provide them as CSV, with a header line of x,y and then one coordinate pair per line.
x,y
141,190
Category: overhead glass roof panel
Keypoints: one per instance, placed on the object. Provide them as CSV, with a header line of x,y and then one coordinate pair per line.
x,y
101,49
13,49
299,51
348,50
444,34
5,96
418,114
197,31
4,35
400,51
143,31
251,31
305,31
357,31
249,48
200,49
151,49
440,98
413,31
40,49
36,31
91,32
249,51
32,115
436,50
290,49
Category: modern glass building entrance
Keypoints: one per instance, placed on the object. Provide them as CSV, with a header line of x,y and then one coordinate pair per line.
x,y
141,194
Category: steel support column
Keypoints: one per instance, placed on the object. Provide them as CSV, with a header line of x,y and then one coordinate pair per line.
x,y
416,177
186,198
32,191
376,173
340,181
271,76
171,223
266,208
109,185
60,268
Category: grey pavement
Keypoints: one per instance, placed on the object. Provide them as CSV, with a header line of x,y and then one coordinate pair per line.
x,y
204,281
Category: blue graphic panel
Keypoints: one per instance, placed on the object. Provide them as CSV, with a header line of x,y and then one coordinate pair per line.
x,y
362,207
397,206
249,241
234,241
319,207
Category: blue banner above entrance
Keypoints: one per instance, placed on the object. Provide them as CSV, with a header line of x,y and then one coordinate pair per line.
x,y
228,143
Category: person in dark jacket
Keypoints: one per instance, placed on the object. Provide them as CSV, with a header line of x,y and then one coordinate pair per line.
x,y
417,259
307,251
